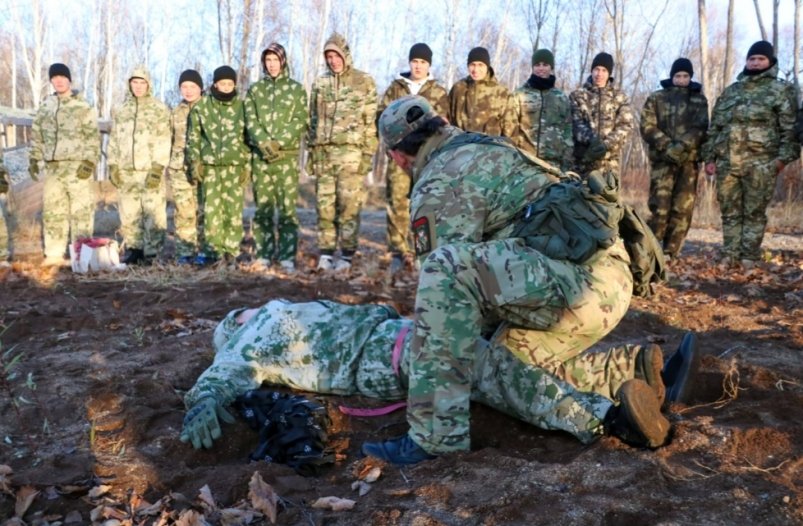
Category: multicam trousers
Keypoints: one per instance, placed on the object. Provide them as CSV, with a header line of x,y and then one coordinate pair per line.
x,y
185,217
340,195
67,207
276,195
397,192
143,213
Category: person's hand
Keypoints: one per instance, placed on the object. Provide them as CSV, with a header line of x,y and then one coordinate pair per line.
x,y
366,163
595,151
33,170
201,424
154,178
195,172
779,166
710,168
85,170
114,175
270,150
245,175
676,153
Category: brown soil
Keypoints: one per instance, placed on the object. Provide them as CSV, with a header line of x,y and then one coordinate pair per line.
x,y
111,356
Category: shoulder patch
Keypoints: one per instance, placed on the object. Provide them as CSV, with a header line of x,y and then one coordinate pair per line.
x,y
421,236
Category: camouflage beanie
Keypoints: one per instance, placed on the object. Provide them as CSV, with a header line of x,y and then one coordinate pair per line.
x,y
605,60
278,50
58,69
681,64
545,56
402,117
190,75
763,48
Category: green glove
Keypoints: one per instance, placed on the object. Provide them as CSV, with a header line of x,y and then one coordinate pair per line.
x,y
3,179
154,178
676,153
85,170
595,151
33,169
201,424
366,163
245,175
270,150
195,172
114,175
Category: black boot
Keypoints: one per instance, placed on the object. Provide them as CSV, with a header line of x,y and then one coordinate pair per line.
x,y
680,369
133,256
637,420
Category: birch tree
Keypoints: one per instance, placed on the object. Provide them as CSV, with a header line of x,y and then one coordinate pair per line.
x,y
33,51
702,21
726,74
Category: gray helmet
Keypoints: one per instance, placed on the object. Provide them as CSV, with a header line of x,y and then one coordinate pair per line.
x,y
402,117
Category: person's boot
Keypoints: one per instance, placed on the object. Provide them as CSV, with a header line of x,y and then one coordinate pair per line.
x,y
401,451
649,363
134,256
637,420
680,369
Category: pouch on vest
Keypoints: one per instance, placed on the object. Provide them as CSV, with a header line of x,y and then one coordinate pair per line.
x,y
647,263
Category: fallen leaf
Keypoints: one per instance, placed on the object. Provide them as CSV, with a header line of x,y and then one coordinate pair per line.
x,y
262,497
206,497
333,503
73,516
362,486
5,479
236,516
98,491
191,518
25,497
371,475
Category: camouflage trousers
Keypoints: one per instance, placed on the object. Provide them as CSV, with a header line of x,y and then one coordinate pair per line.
x,y
143,213
4,230
397,193
67,207
348,349
340,194
276,218
185,215
463,287
222,198
744,193
673,189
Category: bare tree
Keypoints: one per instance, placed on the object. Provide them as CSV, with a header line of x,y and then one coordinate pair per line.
x,y
702,21
452,7
32,56
758,17
729,44
245,41
775,6
536,14
796,54
616,12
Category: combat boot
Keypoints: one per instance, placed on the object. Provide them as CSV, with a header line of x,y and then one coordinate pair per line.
x,y
649,363
134,256
680,370
637,420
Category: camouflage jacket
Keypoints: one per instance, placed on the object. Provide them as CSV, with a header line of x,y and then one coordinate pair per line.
x,y
485,106
754,117
178,129
470,193
65,129
544,117
140,133
276,110
675,115
431,90
216,133
604,113
343,106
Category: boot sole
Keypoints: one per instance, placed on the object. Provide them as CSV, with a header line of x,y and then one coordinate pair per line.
x,y
643,411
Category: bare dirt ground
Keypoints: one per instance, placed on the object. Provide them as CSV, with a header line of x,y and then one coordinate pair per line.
x,y
91,410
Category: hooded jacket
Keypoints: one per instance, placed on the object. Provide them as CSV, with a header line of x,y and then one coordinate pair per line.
x,y
140,133
65,129
602,112
276,110
544,117
483,106
675,114
343,105
754,117
430,90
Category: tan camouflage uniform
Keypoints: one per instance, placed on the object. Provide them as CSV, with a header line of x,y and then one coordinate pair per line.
x,y
185,191
342,136
216,139
485,106
330,348
397,183
63,135
544,116
752,127
139,143
276,111
673,123
604,113
465,204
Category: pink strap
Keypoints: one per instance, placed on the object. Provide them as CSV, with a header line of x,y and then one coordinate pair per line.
x,y
395,360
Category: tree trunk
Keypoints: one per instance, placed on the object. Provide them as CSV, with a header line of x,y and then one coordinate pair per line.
x,y
729,46
796,54
775,5
702,21
245,41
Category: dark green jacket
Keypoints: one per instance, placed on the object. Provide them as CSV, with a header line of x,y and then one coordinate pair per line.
x,y
675,115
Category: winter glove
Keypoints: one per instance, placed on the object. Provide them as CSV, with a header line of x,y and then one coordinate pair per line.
x,y
676,153
245,175
201,424
33,170
595,151
269,150
3,179
85,170
154,178
114,175
366,163
195,172
315,158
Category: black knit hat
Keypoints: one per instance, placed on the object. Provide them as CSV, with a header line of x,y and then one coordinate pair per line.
x,y
681,64
762,47
603,59
190,75
59,69
278,50
421,51
224,73
479,54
